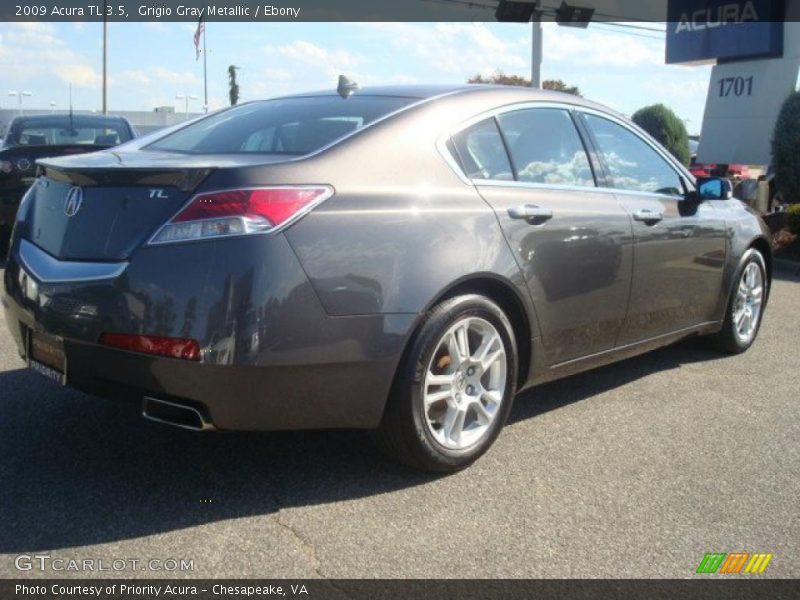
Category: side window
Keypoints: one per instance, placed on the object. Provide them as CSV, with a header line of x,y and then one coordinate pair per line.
x,y
482,152
632,162
545,147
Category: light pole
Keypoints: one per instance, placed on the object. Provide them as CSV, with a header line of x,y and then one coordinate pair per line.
x,y
52,106
186,98
20,95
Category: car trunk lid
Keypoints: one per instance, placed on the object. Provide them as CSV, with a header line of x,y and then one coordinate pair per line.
x,y
125,198
101,208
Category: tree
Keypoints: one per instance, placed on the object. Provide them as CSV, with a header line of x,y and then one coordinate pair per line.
x,y
786,149
665,126
559,86
500,78
233,86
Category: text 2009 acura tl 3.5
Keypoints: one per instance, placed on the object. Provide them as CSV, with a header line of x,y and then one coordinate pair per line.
x,y
398,259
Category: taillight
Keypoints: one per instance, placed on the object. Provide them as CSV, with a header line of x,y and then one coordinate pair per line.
x,y
152,344
241,212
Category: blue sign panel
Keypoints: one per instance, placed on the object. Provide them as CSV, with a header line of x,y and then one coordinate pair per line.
x,y
701,30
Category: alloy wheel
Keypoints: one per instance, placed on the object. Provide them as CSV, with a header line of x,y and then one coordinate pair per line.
x,y
749,299
465,383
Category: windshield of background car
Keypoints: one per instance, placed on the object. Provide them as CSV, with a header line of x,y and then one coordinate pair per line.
x,y
66,132
294,126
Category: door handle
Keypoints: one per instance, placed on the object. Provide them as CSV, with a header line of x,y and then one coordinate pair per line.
x,y
647,216
531,213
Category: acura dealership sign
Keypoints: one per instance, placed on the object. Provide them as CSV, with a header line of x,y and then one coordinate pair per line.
x,y
741,109
704,30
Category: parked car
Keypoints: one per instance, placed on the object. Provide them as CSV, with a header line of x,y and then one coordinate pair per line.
x,y
713,169
405,259
30,138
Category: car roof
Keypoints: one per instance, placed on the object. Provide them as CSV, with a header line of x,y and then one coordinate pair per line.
x,y
510,93
58,119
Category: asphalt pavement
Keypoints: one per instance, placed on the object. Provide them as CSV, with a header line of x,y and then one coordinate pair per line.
x,y
633,470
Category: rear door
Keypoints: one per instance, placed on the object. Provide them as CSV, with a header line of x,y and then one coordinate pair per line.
x,y
571,239
679,243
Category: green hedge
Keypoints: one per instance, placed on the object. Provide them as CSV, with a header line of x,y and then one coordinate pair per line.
x,y
786,149
665,126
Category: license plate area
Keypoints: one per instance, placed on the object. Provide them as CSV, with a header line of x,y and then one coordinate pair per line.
x,y
46,356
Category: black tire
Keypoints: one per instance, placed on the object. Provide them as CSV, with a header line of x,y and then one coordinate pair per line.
x,y
727,339
5,238
404,433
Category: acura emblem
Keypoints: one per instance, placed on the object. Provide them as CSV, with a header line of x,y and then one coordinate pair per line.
x,y
74,200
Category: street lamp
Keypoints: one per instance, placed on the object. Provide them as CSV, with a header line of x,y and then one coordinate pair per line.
x,y
20,95
52,106
186,98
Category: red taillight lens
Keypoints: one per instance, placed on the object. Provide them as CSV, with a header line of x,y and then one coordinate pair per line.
x,y
240,212
151,344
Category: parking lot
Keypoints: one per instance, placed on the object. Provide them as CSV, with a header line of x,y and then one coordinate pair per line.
x,y
634,470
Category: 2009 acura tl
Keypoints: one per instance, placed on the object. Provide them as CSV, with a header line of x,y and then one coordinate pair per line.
x,y
402,259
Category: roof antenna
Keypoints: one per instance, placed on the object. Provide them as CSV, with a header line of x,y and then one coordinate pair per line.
x,y
347,87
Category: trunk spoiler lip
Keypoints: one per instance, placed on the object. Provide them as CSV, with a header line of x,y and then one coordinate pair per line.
x,y
186,180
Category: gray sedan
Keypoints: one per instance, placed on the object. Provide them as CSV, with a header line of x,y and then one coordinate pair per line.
x,y
401,259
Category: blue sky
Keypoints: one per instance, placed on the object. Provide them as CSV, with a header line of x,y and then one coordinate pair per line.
x,y
149,63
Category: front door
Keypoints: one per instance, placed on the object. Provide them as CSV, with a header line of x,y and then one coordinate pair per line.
x,y
679,243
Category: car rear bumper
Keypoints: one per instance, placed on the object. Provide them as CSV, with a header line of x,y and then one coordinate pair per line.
x,y
271,357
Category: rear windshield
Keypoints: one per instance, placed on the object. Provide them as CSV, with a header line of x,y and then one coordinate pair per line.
x,y
294,126
65,132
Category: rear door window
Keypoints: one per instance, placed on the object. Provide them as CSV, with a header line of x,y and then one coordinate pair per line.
x,y
546,148
631,162
482,153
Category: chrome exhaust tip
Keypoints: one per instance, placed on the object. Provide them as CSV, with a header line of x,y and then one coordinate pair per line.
x,y
177,415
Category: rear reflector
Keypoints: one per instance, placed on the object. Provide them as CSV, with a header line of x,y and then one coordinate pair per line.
x,y
241,212
151,344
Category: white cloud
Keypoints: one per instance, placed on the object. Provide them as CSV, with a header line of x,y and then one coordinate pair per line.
x,y
79,75
310,54
457,49
677,87
46,55
159,76
600,49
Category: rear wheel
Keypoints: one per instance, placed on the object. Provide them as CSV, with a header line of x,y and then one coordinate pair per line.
x,y
454,391
746,305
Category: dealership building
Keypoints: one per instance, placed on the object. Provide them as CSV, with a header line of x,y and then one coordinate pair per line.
x,y
754,46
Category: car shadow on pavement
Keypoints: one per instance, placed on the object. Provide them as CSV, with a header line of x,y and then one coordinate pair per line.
x,y
562,392
77,470
787,271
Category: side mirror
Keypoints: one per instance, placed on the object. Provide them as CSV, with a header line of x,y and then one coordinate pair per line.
x,y
714,188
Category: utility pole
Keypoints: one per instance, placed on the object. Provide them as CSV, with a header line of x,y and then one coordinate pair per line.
x,y
205,73
536,50
105,58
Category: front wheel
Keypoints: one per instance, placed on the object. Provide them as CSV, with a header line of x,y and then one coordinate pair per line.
x,y
746,305
453,393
